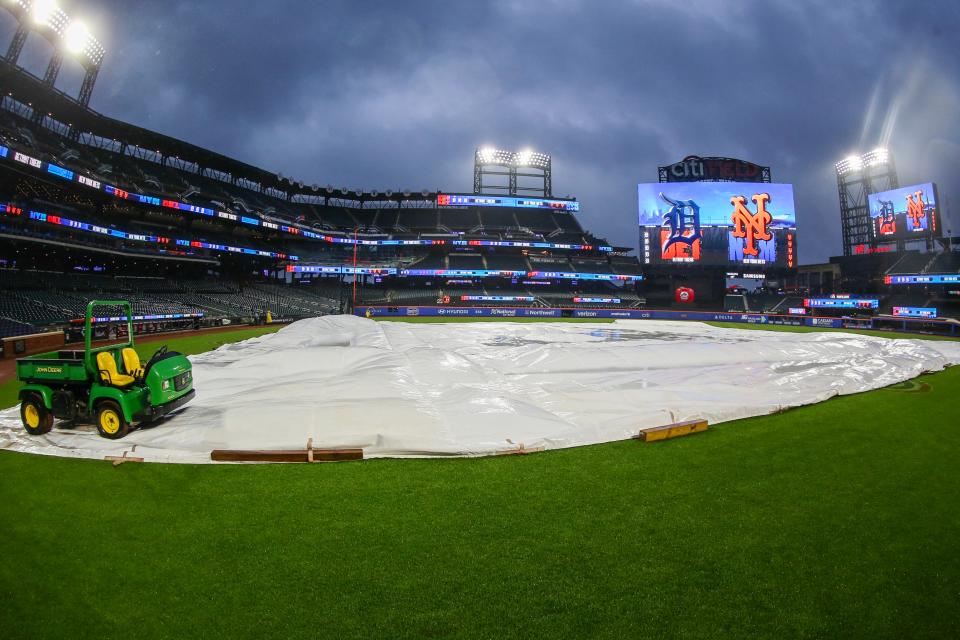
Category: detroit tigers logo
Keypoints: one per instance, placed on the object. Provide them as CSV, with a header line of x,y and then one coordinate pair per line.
x,y
749,226
915,208
888,219
683,218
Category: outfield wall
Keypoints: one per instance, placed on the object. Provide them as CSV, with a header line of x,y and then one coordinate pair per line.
x,y
898,324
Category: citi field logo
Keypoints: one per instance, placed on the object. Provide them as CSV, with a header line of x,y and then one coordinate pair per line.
x,y
751,226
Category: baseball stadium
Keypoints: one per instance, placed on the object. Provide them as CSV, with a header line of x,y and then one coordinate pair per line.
x,y
237,403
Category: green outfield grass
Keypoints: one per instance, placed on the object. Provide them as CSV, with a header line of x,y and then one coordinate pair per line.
x,y
839,519
864,332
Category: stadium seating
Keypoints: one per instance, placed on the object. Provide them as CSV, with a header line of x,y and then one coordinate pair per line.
x,y
431,261
944,262
418,219
624,265
466,261
911,262
505,262
776,304
38,299
553,263
735,303
909,299
459,220
591,266
498,219
11,328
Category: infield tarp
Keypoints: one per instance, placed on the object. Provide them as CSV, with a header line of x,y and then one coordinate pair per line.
x,y
402,389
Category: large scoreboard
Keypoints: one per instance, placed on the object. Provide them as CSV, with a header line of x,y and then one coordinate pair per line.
x,y
905,213
743,224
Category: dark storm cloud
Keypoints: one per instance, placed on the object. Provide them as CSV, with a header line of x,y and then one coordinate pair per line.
x,y
397,95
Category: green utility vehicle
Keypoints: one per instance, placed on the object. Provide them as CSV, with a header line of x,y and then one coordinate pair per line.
x,y
107,385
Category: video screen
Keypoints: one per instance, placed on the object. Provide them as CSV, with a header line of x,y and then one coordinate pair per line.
x,y
915,312
841,303
718,223
904,213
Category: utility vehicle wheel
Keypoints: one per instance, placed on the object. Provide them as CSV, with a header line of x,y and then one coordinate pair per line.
x,y
36,418
110,421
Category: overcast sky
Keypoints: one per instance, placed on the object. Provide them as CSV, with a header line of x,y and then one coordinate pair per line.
x,y
399,94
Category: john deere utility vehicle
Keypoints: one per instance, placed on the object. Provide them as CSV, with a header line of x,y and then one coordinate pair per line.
x,y
107,385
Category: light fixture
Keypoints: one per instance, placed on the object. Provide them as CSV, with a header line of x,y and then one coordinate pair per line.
x,y
77,37
43,11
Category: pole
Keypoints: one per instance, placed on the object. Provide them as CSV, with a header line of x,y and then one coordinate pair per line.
x,y
354,269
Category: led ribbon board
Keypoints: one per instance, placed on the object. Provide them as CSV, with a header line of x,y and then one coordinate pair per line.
x,y
938,278
497,298
475,273
568,275
375,243
597,300
162,316
531,245
337,270
479,273
470,200
39,216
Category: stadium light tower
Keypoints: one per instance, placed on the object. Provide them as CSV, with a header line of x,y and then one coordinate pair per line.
x,y
20,9
858,176
515,165
71,37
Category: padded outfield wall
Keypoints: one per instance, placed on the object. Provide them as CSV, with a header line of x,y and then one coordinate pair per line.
x,y
900,324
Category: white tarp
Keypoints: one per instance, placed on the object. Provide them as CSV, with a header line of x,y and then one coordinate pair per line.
x,y
459,389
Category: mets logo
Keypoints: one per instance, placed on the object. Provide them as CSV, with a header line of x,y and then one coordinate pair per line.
x,y
749,226
915,208
683,218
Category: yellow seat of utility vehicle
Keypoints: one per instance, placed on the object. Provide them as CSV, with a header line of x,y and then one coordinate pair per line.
x,y
108,371
131,362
